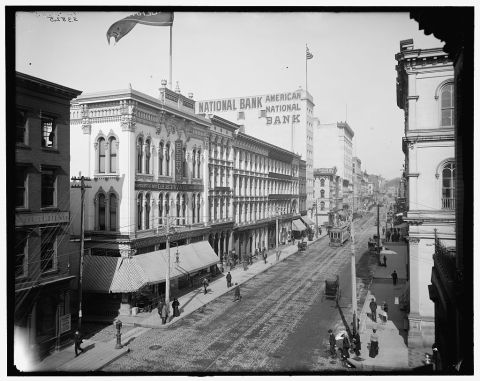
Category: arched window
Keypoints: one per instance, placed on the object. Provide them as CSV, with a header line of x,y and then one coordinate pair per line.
x,y
147,156
160,209
184,207
139,211
193,208
448,186
178,209
322,193
322,205
139,155
147,211
160,159
113,154
113,212
198,208
101,212
167,204
447,105
194,169
322,182
101,155
184,162
167,159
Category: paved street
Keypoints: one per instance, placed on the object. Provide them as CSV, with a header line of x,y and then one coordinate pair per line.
x,y
280,324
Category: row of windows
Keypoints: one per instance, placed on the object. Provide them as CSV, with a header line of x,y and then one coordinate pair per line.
x,y
48,130
48,251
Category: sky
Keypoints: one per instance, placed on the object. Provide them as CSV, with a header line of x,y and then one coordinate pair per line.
x,y
231,54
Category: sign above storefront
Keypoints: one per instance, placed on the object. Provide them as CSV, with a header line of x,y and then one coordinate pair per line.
x,y
144,185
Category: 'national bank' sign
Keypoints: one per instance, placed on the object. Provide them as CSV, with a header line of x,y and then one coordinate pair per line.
x,y
279,108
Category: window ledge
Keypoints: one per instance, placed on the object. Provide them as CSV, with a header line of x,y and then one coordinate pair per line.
x,y
22,209
23,146
51,150
49,209
97,176
50,272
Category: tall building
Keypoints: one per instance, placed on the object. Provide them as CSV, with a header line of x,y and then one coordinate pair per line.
x,y
43,278
357,183
282,119
425,91
336,142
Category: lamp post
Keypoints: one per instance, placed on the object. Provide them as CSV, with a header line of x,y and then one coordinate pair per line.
x,y
316,219
167,276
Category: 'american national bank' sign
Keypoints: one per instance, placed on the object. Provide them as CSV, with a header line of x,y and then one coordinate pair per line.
x,y
281,108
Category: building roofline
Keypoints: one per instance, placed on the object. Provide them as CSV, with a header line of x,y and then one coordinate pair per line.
x,y
268,145
68,91
347,127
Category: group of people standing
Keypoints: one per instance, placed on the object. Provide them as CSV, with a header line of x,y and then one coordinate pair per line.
x,y
163,310
392,234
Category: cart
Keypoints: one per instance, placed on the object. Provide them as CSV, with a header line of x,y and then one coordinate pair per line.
x,y
302,246
332,289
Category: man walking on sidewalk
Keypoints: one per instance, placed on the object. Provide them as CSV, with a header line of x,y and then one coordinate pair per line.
x,y
205,285
78,341
373,344
237,295
373,310
332,342
229,280
394,277
264,256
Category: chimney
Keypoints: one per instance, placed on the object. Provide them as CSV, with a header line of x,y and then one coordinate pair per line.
x,y
406,45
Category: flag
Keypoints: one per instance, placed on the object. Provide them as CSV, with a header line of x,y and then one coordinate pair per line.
x,y
122,27
309,55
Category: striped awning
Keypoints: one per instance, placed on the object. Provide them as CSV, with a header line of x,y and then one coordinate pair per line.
x,y
307,220
124,275
298,225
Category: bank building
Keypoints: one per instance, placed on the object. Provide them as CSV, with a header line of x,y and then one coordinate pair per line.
x,y
158,169
283,119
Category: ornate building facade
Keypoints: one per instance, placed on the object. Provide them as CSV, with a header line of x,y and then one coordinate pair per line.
x,y
425,92
326,192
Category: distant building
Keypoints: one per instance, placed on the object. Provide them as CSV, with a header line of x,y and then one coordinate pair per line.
x,y
327,199
425,91
335,142
43,279
357,183
303,187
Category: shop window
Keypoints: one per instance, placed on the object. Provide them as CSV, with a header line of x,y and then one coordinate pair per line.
x,y
160,159
139,211
113,212
322,205
101,155
160,209
113,154
147,211
48,132
101,212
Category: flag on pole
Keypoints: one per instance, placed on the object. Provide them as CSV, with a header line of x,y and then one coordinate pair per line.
x,y
122,27
309,55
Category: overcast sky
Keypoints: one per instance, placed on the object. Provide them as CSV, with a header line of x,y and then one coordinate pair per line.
x,y
217,55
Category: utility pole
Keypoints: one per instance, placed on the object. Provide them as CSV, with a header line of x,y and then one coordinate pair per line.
x,y
316,219
82,187
354,273
167,276
378,231
276,232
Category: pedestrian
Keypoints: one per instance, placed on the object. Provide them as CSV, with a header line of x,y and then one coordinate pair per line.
x,y
383,230
373,344
205,285
358,343
237,295
229,280
385,309
394,277
384,261
332,342
175,305
345,346
78,341
164,313
278,255
264,256
373,309
388,235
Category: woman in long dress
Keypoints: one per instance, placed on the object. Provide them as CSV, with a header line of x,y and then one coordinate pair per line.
x,y
373,344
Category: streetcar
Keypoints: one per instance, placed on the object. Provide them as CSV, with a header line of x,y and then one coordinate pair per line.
x,y
339,235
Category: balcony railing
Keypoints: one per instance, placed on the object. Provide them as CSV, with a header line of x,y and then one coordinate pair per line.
x,y
448,203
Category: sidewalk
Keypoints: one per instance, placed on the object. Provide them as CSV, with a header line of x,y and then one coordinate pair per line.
x,y
394,354
100,354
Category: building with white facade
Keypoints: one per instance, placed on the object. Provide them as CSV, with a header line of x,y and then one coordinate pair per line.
x,y
425,91
282,119
326,192
336,140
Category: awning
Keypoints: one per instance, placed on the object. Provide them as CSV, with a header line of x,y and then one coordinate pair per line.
x,y
298,226
123,275
307,220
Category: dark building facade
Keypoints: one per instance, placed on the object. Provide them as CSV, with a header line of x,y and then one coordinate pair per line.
x,y
42,218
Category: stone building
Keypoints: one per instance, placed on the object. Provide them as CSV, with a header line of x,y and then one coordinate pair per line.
x,y
41,264
326,192
425,91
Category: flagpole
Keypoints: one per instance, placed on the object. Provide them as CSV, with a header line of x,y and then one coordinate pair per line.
x,y
170,74
306,70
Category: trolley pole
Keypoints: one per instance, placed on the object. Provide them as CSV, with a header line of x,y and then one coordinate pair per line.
x,y
378,231
354,273
82,187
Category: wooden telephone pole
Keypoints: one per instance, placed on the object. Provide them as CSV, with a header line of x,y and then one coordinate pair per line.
x,y
82,187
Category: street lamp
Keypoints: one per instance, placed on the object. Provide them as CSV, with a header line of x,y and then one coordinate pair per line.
x,y
167,276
